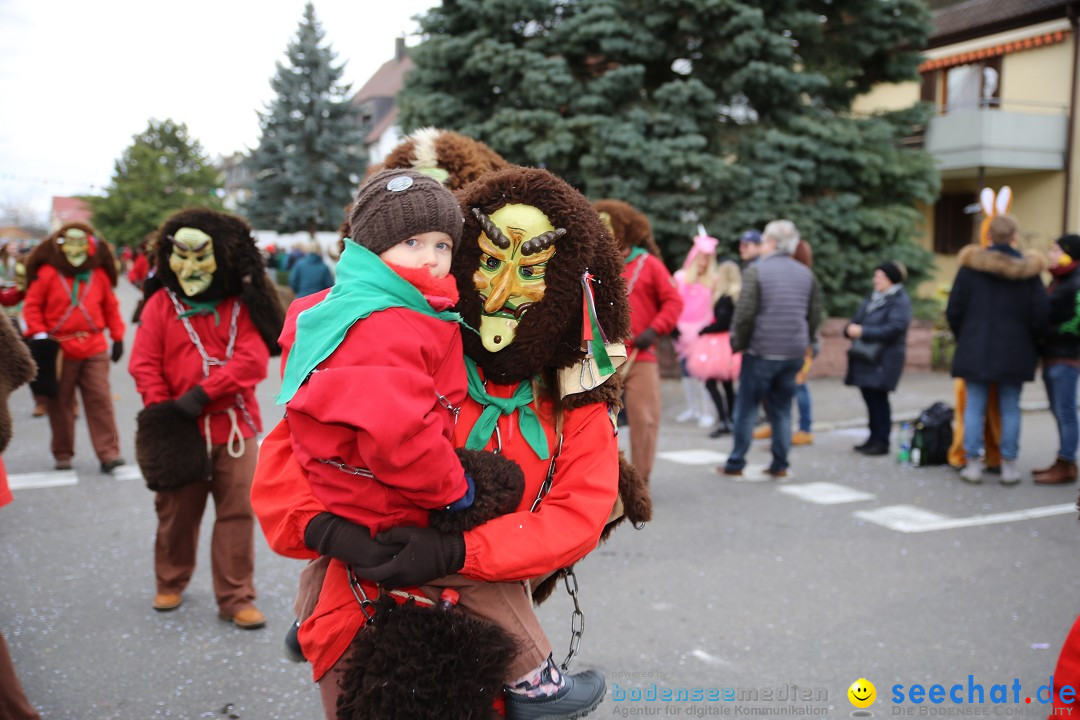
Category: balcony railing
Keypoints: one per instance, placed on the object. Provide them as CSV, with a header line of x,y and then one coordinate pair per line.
x,y
1010,135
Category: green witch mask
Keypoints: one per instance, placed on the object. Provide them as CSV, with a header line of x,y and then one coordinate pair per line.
x,y
517,241
192,259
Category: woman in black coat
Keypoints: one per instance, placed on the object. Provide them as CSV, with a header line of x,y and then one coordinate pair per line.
x,y
881,322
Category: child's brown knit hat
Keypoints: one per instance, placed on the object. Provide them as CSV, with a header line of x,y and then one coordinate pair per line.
x,y
396,204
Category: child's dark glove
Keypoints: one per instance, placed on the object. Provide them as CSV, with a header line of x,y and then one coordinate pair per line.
x,y
426,554
117,350
191,403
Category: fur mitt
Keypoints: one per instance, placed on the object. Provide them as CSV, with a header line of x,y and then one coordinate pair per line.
x,y
169,449
418,662
499,485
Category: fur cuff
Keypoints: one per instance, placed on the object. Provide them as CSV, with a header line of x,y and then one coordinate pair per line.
x,y
499,485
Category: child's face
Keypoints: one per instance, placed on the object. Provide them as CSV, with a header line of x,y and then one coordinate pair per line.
x,y
431,250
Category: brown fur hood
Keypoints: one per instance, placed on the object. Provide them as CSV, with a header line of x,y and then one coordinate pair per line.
x,y
463,158
48,252
1002,264
549,336
240,269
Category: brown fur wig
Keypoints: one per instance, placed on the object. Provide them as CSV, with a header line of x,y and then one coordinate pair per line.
x,y
549,335
48,252
459,675
498,486
168,448
463,158
631,227
16,368
998,263
240,268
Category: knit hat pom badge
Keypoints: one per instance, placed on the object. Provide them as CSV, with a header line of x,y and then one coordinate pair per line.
x,y
400,183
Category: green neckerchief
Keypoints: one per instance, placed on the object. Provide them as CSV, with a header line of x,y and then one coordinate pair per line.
x,y
83,277
484,428
201,308
635,253
364,285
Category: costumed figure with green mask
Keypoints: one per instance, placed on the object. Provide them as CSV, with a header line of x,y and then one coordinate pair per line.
x,y
69,305
539,290
655,306
208,326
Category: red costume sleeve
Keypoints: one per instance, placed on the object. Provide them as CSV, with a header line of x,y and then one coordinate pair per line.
x,y
110,307
281,496
567,525
247,367
34,305
668,301
11,296
146,362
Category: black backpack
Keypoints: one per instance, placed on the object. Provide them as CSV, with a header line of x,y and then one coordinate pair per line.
x,y
932,436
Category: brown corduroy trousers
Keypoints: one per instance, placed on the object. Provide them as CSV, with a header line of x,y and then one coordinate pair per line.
x,y
91,377
641,394
232,543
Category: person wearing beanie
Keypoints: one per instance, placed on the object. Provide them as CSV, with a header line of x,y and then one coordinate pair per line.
x,y
1060,354
749,247
876,359
998,311
384,457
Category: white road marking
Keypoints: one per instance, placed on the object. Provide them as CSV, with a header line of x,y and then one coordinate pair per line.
x,y
694,457
127,472
53,478
710,659
826,493
908,519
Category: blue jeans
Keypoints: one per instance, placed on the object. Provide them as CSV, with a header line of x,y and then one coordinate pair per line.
x,y
1060,381
774,382
975,417
806,413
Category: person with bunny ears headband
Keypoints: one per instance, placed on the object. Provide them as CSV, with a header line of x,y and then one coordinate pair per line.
x,y
992,204
697,283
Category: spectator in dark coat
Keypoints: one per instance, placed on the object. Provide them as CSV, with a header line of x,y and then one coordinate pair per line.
x,y
998,309
310,274
1061,357
882,319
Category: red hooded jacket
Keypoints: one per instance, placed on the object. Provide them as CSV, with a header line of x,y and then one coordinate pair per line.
x,y
48,300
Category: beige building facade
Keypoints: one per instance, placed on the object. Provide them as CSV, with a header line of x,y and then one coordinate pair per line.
x,y
1002,79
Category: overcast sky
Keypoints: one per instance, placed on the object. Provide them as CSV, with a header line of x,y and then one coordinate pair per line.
x,y
79,79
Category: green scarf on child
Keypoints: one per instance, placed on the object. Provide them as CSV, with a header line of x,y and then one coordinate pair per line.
x,y
364,285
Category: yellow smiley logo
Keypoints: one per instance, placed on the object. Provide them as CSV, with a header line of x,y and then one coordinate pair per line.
x,y
862,693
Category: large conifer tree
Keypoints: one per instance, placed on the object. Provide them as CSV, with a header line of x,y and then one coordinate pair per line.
x,y
162,171
309,159
726,112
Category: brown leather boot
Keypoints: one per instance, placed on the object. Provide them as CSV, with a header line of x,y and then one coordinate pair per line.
x,y
1042,471
1061,473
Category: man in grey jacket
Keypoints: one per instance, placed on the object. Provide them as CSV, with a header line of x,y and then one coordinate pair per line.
x,y
777,316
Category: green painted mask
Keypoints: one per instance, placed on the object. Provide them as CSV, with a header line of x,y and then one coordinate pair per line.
x,y
76,246
512,267
192,259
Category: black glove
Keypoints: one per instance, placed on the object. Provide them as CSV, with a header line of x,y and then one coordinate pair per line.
x,y
645,339
191,403
336,537
117,350
426,554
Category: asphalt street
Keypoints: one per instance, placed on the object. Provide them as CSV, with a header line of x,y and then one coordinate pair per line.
x,y
741,597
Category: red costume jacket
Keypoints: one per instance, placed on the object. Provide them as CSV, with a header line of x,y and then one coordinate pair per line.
x,y
81,334
166,363
565,527
654,300
399,362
